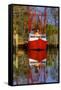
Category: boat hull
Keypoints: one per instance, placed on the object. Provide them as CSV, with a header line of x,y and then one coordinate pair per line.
x,y
37,44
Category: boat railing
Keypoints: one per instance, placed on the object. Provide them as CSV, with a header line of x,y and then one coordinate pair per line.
x,y
37,36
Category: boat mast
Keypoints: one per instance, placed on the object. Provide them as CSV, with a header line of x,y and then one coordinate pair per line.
x,y
45,21
29,20
40,22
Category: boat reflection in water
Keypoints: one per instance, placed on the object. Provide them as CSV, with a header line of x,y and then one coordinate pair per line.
x,y
33,67
37,62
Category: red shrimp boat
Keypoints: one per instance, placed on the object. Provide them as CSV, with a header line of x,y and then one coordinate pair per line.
x,y
37,37
37,42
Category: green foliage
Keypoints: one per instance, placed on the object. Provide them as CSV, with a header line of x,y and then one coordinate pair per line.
x,y
51,29
52,34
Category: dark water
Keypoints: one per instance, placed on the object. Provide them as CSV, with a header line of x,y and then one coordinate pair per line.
x,y
32,66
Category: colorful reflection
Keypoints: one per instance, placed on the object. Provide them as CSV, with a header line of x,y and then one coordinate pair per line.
x,y
37,55
31,67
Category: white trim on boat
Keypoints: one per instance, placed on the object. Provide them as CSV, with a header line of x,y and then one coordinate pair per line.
x,y
33,37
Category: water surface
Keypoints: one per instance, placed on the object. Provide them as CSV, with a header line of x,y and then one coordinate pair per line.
x,y
35,66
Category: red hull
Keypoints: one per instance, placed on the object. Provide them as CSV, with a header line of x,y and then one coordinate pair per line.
x,y
37,55
37,44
